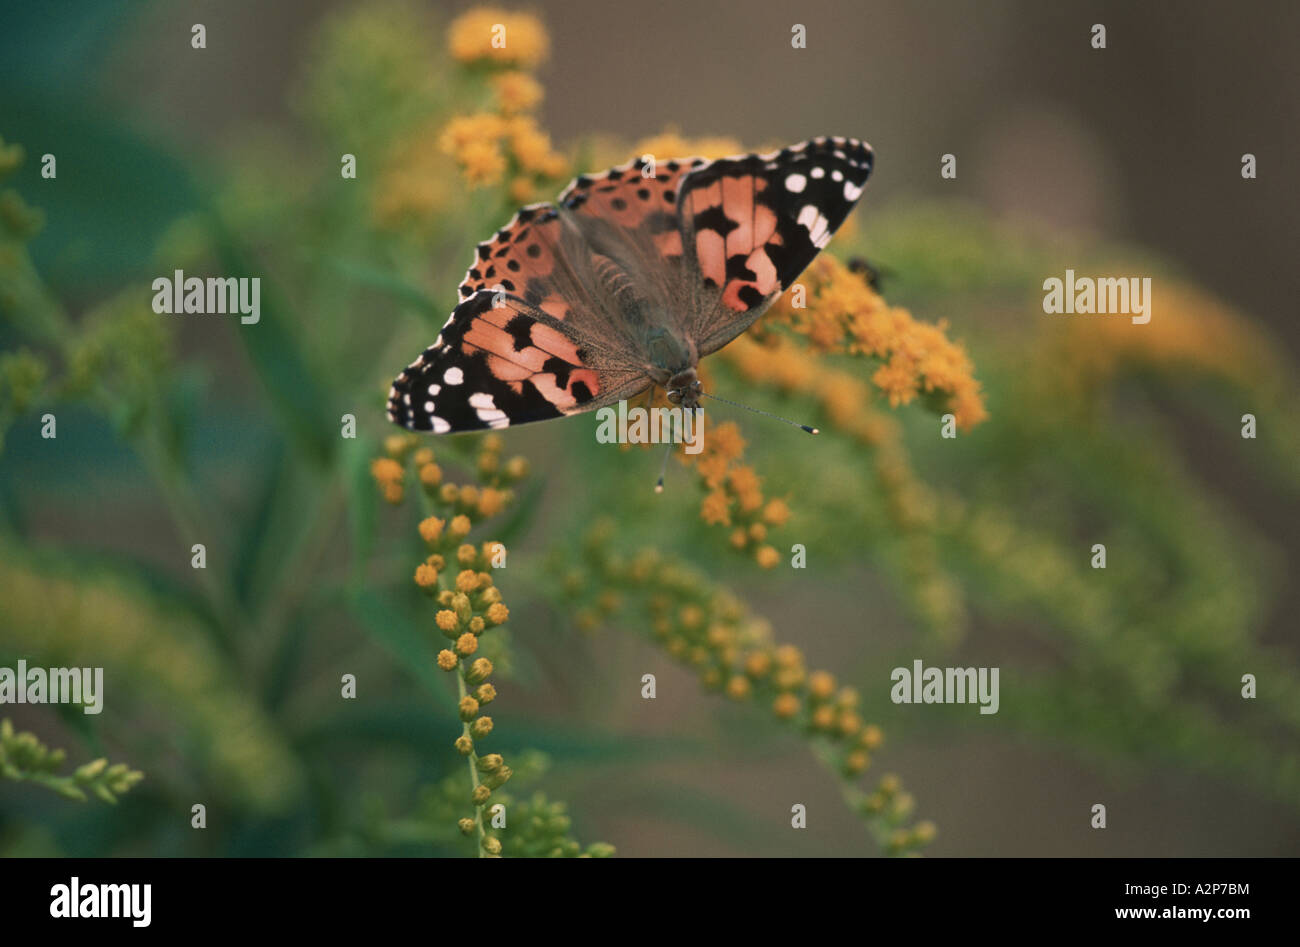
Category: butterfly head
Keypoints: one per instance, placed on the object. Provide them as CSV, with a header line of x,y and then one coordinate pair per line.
x,y
684,389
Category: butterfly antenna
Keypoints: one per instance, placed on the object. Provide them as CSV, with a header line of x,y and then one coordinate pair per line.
x,y
663,467
776,417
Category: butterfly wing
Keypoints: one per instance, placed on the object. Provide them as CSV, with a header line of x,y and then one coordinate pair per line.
x,y
499,362
751,224
530,340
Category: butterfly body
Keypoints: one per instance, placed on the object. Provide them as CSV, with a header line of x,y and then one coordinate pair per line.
x,y
626,282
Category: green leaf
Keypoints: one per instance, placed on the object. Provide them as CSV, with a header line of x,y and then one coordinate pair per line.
x,y
305,408
251,541
412,647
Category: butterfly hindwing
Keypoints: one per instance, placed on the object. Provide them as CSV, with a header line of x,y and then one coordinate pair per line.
x,y
569,266
630,212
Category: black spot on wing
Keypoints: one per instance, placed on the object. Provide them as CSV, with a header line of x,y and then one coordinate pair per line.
x,y
794,251
750,296
560,368
520,329
738,267
715,218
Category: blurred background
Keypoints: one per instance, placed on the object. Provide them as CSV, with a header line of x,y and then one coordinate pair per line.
x,y
1119,687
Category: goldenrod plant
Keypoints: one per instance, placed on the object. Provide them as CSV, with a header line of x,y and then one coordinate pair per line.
x,y
24,757
344,639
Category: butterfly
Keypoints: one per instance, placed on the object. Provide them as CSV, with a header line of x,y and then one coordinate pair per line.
x,y
626,282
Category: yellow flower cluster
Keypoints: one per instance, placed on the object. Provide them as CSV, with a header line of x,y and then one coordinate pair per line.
x,y
517,92
404,458
458,576
470,603
843,314
845,404
1192,331
1192,336
495,37
733,653
487,146
505,144
735,494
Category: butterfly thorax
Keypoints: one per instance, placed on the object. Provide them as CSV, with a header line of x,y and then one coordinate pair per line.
x,y
672,365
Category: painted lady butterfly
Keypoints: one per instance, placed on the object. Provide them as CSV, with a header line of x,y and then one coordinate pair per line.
x,y
626,282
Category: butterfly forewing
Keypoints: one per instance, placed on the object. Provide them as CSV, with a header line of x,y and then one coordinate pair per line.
x,y
500,362
755,222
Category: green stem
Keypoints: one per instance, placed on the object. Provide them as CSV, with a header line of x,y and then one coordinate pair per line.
x,y
473,770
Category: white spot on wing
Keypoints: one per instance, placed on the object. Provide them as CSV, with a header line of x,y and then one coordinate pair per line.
x,y
818,226
453,376
795,183
486,408
851,191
